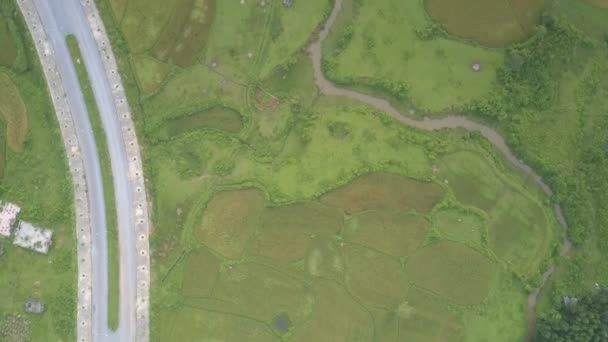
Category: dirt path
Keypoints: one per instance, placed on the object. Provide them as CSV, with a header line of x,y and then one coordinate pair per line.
x,y
451,121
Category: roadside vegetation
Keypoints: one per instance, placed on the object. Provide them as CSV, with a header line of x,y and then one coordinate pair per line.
x,y
107,179
34,176
277,210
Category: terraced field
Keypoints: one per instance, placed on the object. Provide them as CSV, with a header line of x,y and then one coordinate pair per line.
x,y
382,260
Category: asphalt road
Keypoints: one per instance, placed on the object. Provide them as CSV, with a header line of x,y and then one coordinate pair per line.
x,y
59,19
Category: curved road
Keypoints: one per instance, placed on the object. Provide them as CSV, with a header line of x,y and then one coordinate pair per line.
x,y
60,18
450,121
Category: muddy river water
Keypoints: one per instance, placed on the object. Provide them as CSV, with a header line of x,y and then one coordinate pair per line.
x,y
327,87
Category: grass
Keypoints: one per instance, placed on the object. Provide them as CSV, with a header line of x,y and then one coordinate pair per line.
x,y
118,7
261,292
424,317
364,267
188,324
150,73
236,47
588,16
494,23
9,47
221,118
203,269
36,178
293,82
285,233
230,222
3,151
393,232
335,314
453,271
377,191
501,319
380,48
290,30
325,259
143,21
294,238
186,33
190,91
460,225
14,113
519,233
598,3
107,180
474,181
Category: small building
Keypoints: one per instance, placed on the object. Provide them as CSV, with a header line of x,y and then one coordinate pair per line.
x,y
34,238
8,217
33,306
287,3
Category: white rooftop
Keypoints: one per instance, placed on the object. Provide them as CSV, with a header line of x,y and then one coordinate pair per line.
x,y
8,215
31,237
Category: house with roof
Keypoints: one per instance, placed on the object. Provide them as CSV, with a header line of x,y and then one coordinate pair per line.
x,y
8,217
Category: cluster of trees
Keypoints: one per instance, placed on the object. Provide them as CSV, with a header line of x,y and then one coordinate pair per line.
x,y
581,320
530,78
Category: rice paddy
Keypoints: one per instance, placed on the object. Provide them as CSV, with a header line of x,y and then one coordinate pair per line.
x,y
368,262
492,23
384,191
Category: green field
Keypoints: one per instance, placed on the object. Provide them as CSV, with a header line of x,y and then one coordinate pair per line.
x,y
7,41
35,177
281,214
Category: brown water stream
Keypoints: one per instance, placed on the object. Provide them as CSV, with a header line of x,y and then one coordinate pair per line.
x,y
451,121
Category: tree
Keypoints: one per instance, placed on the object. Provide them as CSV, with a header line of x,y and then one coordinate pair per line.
x,y
582,320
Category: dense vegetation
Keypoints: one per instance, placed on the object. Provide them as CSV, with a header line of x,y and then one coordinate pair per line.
x,y
577,321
